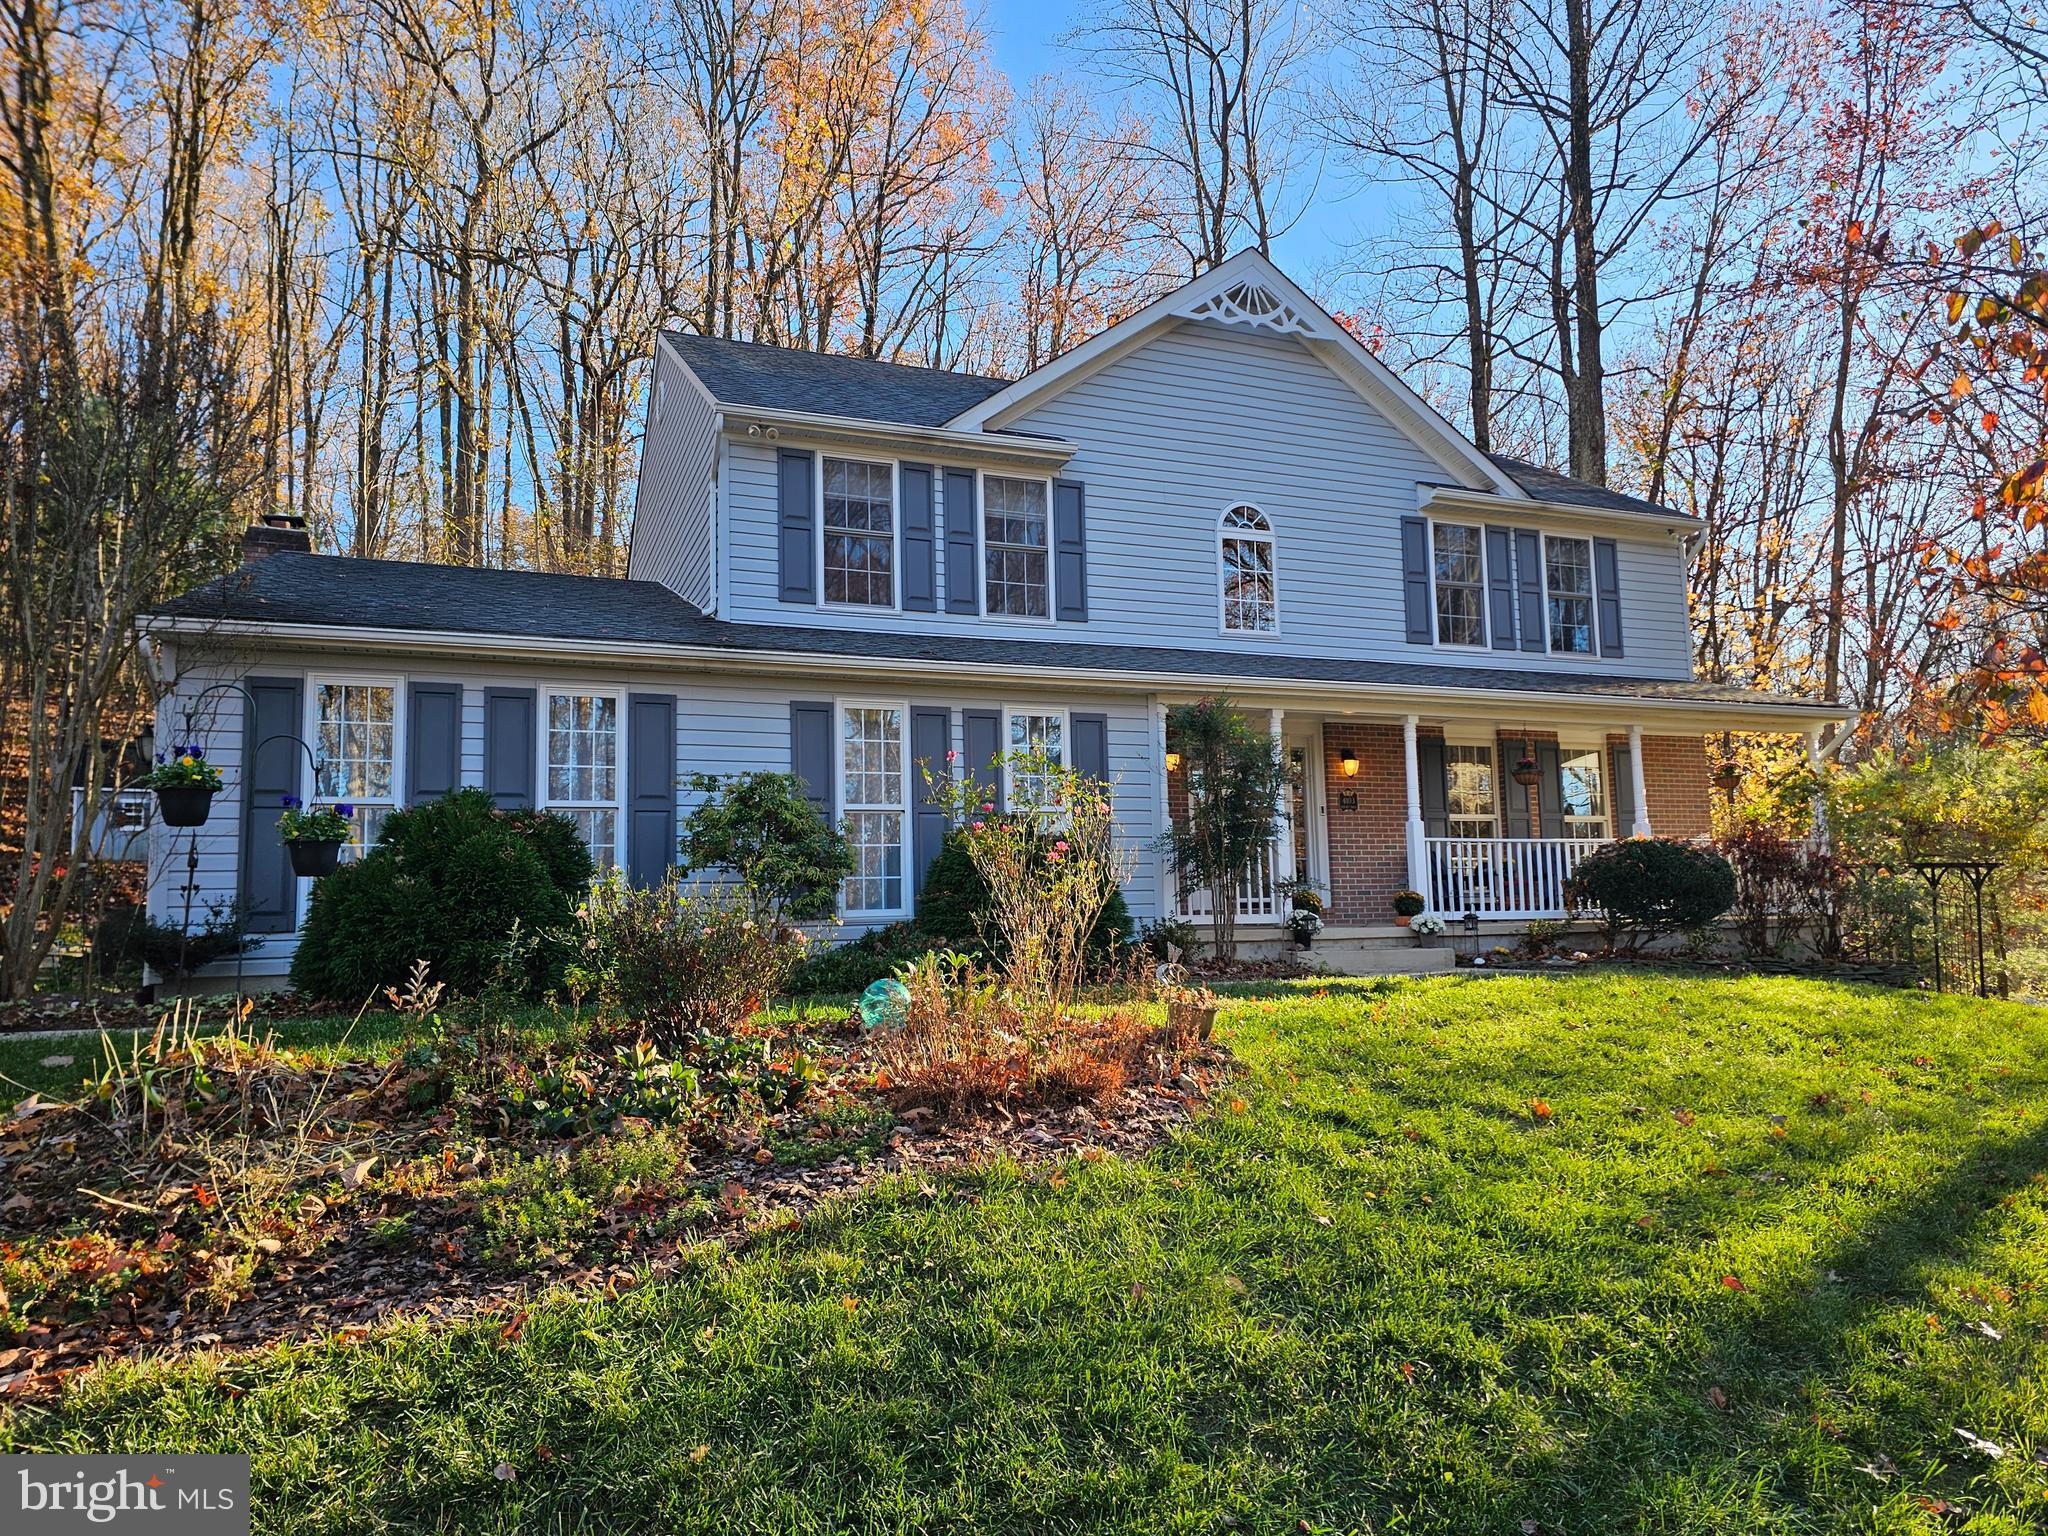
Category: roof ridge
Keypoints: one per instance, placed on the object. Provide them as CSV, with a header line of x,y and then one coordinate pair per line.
x,y
835,357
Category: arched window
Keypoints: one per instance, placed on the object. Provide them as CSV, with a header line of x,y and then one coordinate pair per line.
x,y
1245,567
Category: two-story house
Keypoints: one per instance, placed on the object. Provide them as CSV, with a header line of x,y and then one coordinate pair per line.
x,y
844,567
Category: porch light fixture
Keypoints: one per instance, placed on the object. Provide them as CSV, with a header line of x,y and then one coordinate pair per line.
x,y
1173,762
1349,763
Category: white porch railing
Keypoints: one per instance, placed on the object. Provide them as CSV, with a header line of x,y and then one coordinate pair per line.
x,y
1502,877
1258,898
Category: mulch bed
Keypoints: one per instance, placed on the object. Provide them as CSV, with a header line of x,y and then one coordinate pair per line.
x,y
69,1011
62,1166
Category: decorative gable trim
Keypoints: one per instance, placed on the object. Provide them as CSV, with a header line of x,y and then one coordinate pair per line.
x,y
1252,303
1249,290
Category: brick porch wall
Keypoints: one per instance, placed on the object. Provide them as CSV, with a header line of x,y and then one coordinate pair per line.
x,y
1676,783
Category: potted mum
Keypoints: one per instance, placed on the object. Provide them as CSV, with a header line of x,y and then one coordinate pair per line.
x,y
314,834
1407,906
1428,928
185,784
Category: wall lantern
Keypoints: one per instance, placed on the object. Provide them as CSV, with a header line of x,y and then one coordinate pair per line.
x,y
1173,762
1349,763
1471,922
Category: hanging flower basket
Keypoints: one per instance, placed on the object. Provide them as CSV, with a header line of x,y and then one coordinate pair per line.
x,y
184,805
314,835
185,784
313,857
1726,777
1525,772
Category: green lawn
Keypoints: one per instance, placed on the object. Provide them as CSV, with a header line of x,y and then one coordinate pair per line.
x,y
1773,1244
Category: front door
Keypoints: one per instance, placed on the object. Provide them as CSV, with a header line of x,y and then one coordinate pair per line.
x,y
1307,808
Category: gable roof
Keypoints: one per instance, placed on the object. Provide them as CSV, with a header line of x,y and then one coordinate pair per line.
x,y
578,615
751,373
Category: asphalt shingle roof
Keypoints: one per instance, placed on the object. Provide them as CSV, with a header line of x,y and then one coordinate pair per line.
x,y
333,590
825,384
1549,485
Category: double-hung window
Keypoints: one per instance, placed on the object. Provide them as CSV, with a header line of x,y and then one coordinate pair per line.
x,y
1246,559
1568,583
1582,791
873,808
582,778
355,752
1460,569
1469,791
860,533
1013,538
1034,737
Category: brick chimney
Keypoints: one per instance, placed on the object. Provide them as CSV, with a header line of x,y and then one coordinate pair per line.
x,y
279,533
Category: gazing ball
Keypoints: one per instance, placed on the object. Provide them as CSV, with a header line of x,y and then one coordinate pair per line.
x,y
885,1004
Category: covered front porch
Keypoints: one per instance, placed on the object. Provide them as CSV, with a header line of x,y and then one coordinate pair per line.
x,y
1485,816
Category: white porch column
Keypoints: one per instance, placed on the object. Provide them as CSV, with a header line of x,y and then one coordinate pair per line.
x,y
1418,848
1641,826
1821,834
1283,845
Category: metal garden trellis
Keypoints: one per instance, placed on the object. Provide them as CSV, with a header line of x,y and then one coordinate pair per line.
x,y
1978,872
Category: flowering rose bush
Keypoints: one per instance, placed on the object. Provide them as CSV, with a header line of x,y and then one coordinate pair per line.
x,y
184,768
1052,863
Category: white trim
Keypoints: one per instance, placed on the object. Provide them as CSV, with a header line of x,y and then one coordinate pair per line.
x,y
1052,597
903,806
310,725
793,429
1066,719
1436,639
1348,357
1271,538
1788,718
895,603
543,692
1458,501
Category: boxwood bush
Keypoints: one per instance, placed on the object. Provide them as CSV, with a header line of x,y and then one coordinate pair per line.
x,y
1646,886
446,883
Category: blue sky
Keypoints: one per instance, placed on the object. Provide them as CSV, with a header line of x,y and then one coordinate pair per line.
x,y
1024,36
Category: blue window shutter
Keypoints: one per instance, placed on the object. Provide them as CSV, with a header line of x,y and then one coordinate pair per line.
x,y
510,746
1091,745
810,754
963,580
796,542
981,740
1529,587
1070,550
1514,798
1607,591
650,786
1621,788
270,746
1415,579
1436,800
931,737
433,741
1500,587
920,540
1549,790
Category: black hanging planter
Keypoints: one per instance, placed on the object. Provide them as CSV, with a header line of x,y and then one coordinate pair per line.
x,y
1525,772
184,805
313,858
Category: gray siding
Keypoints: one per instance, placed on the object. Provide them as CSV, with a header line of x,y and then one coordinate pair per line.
x,y
673,540
725,723
1199,420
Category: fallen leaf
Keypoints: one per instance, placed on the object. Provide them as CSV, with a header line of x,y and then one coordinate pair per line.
x,y
1733,1284
1718,1398
1980,1445
504,1472
357,1174
1684,1116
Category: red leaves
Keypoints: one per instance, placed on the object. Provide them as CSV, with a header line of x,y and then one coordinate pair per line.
x,y
1732,1283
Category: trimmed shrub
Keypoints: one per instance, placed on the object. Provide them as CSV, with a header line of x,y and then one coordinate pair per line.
x,y
446,883
788,858
1648,886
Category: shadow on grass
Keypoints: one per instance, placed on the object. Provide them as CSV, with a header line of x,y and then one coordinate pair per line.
x,y
1781,1349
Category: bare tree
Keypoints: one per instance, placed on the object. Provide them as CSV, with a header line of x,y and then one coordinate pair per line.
x,y
1221,79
